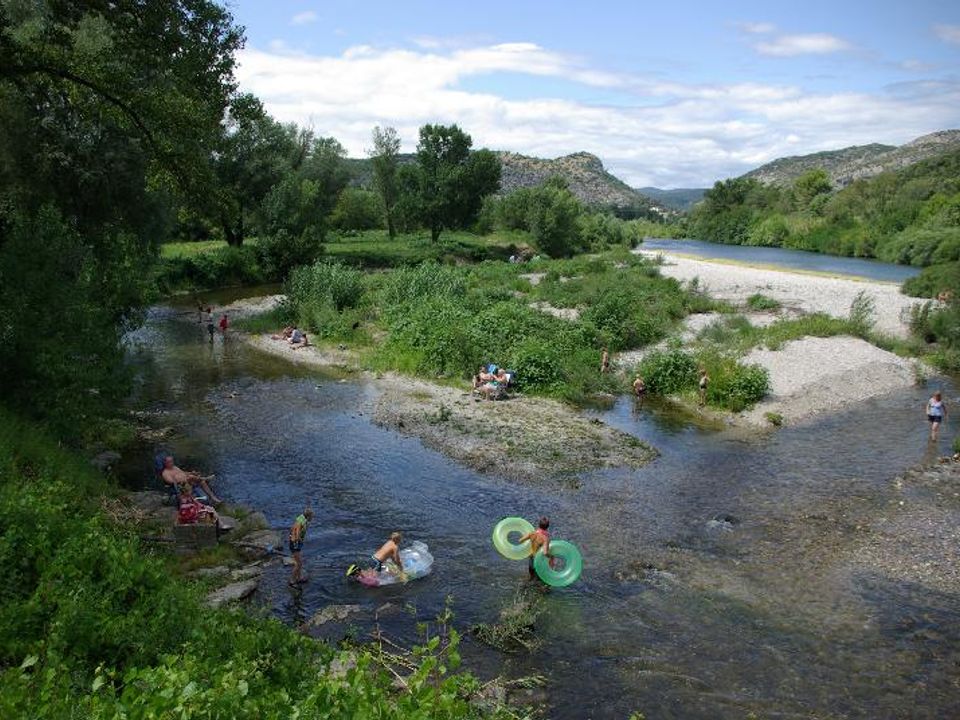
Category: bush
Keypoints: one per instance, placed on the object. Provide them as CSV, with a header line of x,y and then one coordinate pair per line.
x,y
282,252
357,210
669,372
429,279
337,284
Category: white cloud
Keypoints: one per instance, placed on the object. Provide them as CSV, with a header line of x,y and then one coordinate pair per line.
x,y
757,28
304,18
811,44
948,33
659,133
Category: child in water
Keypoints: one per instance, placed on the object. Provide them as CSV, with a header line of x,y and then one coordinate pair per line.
x,y
539,538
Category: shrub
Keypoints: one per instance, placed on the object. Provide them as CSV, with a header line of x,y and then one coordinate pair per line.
x,y
429,279
862,314
540,365
759,301
669,372
336,284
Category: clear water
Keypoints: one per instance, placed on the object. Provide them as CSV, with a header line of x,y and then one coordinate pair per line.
x,y
791,259
748,604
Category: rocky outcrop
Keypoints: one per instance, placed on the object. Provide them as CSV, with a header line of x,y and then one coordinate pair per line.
x,y
857,162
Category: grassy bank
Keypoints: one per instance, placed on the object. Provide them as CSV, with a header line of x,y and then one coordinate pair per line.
x,y
97,625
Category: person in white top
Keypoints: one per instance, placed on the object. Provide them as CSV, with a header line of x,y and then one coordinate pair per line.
x,y
936,414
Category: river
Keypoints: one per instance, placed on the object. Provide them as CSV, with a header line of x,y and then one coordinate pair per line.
x,y
718,580
787,259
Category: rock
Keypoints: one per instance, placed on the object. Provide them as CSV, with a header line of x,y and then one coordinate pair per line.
x,y
209,572
149,501
255,521
105,461
387,609
342,664
231,593
246,573
491,697
332,613
198,536
529,697
258,543
228,523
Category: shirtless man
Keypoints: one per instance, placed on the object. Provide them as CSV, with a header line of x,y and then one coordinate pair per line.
x,y
390,550
539,538
605,361
172,475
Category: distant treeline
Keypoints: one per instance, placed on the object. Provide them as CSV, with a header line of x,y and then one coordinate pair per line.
x,y
911,216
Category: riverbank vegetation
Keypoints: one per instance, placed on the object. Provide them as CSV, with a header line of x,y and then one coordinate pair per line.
x,y
97,625
911,216
548,320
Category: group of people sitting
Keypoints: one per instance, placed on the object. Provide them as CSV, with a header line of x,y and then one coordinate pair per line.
x,y
491,382
190,510
293,336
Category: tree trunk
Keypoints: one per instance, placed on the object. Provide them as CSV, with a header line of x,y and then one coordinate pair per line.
x,y
435,232
391,228
233,234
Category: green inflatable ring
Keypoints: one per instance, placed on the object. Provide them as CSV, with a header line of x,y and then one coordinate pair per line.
x,y
570,564
501,538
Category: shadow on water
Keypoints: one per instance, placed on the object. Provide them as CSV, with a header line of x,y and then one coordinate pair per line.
x,y
686,608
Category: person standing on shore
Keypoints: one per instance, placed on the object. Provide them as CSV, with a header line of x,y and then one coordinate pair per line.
x,y
936,414
298,532
224,323
605,361
704,383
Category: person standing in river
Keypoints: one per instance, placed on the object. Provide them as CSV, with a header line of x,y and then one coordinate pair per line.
x,y
936,414
298,532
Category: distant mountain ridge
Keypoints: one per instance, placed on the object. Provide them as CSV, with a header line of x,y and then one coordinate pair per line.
x,y
585,174
679,199
857,162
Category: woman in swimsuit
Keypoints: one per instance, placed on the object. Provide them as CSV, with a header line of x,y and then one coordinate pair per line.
x,y
936,414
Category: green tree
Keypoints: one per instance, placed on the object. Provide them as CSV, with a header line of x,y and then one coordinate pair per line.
x,y
254,154
449,182
553,218
811,185
108,111
385,158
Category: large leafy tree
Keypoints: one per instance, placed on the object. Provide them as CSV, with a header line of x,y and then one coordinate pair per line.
x,y
108,108
254,153
385,158
449,182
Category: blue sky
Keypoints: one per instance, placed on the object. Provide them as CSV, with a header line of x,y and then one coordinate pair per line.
x,y
670,94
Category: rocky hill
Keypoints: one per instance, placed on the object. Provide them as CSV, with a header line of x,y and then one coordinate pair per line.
x,y
585,173
860,161
589,180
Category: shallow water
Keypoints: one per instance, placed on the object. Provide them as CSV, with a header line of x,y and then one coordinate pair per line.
x,y
740,610
790,259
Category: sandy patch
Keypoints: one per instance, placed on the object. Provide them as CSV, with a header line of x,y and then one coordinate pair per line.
x,y
816,375
571,314
796,291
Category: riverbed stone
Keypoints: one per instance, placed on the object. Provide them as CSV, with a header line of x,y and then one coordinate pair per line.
x,y
247,572
209,572
332,613
231,593
255,521
199,536
260,542
105,461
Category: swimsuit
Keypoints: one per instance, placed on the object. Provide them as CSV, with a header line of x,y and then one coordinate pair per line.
x,y
546,537
935,411
297,545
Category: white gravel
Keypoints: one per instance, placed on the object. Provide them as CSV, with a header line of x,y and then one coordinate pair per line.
x,y
815,375
796,291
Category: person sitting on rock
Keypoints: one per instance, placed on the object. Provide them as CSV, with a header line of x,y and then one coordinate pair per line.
x,y
190,510
172,475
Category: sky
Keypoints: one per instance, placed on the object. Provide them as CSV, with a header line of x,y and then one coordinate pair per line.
x,y
669,94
